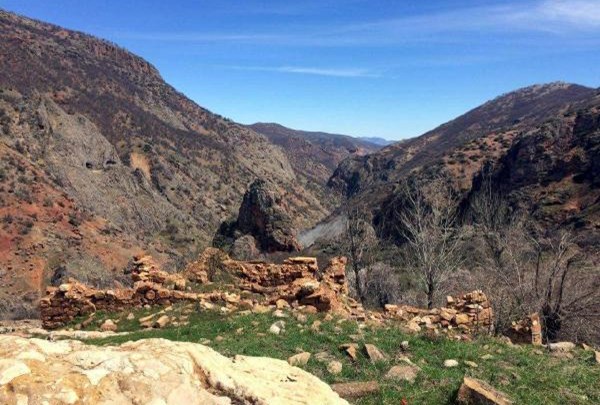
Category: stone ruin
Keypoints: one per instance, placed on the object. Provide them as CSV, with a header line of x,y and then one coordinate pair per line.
x,y
297,283
526,331
467,314
152,286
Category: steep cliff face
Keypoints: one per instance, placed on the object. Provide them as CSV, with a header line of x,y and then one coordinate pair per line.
x,y
553,172
513,112
315,154
540,143
101,128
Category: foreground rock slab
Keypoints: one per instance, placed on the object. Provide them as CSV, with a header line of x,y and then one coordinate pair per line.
x,y
149,371
477,392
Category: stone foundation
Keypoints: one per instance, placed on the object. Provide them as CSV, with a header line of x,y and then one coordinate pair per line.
x,y
526,331
469,313
296,281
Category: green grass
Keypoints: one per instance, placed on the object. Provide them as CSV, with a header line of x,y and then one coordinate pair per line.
x,y
526,376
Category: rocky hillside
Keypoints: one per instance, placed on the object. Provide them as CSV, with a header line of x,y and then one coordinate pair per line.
x,y
315,154
540,141
100,155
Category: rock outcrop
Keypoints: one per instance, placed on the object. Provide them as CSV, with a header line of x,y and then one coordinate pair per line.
x,y
262,215
149,371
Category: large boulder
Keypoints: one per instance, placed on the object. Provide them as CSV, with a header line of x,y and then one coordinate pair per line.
x,y
149,371
262,215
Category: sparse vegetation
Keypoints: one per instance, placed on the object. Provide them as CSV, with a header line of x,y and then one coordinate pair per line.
x,y
529,375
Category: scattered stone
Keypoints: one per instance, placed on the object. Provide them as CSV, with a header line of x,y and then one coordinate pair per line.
x,y
450,363
219,338
477,392
404,345
278,313
487,357
316,326
277,327
351,349
302,318
413,326
162,322
334,367
323,357
597,356
130,316
353,390
561,346
299,359
471,364
402,373
108,326
282,304
374,353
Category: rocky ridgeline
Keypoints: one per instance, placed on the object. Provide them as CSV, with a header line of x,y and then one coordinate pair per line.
x,y
148,371
467,314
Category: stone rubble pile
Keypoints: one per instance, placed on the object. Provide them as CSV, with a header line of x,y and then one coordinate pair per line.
x,y
469,313
297,284
526,331
145,269
296,281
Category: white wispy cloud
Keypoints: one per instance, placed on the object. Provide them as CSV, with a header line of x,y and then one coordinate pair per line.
x,y
567,18
317,71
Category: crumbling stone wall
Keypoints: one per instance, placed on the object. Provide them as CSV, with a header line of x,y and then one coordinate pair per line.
x,y
151,286
296,281
526,331
469,313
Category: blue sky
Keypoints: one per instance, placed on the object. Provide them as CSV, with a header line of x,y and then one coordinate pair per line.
x,y
361,67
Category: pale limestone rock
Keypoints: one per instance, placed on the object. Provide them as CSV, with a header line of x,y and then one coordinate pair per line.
x,y
561,346
374,353
108,326
149,371
473,391
162,321
11,369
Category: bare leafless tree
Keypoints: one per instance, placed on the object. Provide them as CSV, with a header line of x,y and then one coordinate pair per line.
x,y
359,243
430,235
528,269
